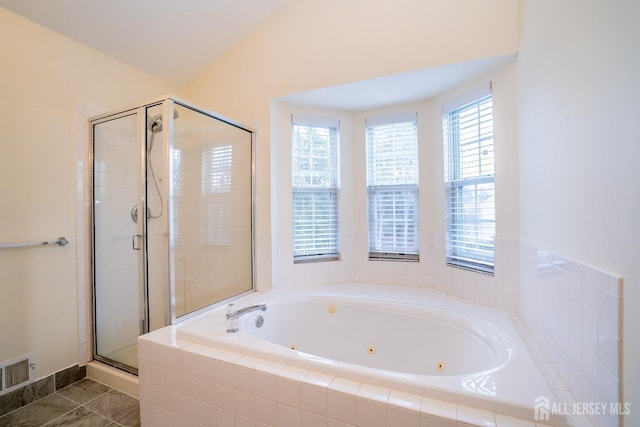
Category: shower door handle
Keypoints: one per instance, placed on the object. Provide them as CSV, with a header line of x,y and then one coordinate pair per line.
x,y
133,242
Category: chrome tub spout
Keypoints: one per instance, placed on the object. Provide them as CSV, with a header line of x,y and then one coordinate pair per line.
x,y
233,316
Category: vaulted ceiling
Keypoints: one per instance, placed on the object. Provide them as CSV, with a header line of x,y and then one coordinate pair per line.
x,y
174,40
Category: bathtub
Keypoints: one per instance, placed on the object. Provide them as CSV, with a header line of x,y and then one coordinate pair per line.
x,y
458,353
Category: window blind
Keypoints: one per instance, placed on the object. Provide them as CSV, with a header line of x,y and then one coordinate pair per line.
x,y
470,183
392,187
177,187
315,189
216,195
216,169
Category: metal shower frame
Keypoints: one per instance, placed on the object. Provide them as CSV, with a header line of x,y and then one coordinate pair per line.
x,y
167,102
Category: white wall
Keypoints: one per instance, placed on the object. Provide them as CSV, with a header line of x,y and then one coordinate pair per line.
x,y
48,85
578,91
343,42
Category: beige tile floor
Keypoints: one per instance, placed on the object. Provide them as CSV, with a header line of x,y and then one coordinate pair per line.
x,y
84,403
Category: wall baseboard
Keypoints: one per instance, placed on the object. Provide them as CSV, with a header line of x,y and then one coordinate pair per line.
x,y
41,388
114,378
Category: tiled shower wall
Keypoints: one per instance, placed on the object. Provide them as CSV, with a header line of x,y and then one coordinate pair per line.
x,y
115,189
574,311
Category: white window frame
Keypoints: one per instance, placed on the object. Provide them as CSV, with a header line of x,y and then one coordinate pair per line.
x,y
392,196
470,225
315,230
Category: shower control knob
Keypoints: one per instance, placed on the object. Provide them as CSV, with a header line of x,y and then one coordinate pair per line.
x,y
134,213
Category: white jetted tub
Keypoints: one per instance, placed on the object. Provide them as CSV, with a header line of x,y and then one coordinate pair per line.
x,y
474,357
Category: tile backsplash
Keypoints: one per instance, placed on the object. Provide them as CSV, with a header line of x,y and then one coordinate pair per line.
x,y
574,311
499,290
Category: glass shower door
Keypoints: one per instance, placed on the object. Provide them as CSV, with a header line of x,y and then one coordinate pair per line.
x,y
210,210
119,252
172,220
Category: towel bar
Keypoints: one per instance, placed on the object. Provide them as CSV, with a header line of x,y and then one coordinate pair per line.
x,y
60,242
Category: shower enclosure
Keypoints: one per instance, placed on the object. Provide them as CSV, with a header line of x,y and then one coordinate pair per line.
x,y
172,219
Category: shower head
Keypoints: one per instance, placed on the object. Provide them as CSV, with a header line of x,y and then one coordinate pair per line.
x,y
154,124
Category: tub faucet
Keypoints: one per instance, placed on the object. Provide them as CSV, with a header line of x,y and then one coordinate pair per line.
x,y
233,316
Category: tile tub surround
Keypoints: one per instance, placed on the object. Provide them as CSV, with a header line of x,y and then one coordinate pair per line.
x,y
574,313
185,383
499,290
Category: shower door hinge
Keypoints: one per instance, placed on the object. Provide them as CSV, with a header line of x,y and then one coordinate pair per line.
x,y
134,238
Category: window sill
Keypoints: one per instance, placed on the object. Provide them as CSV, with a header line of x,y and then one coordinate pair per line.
x,y
316,258
383,256
469,266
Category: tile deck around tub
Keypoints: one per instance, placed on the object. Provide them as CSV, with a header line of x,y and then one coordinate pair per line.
x,y
187,383
251,391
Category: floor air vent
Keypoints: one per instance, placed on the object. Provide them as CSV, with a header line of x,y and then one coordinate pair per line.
x,y
16,373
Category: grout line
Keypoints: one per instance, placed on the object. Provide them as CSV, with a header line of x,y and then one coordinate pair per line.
x,y
98,396
25,406
78,405
62,415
